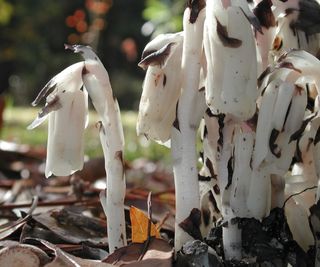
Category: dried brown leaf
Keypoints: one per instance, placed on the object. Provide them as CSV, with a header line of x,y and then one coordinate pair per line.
x,y
159,254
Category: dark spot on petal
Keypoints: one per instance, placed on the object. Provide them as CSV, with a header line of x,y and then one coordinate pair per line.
x,y
272,146
213,202
264,14
221,126
297,134
46,90
53,105
224,37
85,70
253,121
209,113
206,216
201,89
176,121
310,103
203,178
286,116
156,58
288,65
205,131
164,81
209,165
216,189
191,224
230,166
196,6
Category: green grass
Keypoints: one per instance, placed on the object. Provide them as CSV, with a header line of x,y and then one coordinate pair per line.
x,y
16,120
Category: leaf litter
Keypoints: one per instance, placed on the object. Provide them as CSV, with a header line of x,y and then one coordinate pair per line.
x,y
60,221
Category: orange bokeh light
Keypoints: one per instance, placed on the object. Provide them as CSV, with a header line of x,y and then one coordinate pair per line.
x,y
82,26
70,21
98,7
79,14
129,48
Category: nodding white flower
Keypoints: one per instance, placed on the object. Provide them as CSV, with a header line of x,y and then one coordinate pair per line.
x,y
305,174
96,81
280,115
282,108
66,106
161,87
231,61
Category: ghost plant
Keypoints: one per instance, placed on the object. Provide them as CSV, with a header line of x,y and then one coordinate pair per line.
x,y
66,106
174,70
245,74
252,127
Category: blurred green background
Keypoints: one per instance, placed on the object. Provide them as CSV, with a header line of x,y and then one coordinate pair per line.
x,y
32,38
33,34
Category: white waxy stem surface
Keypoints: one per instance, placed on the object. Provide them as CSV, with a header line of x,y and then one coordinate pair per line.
x,y
259,197
242,172
189,113
96,81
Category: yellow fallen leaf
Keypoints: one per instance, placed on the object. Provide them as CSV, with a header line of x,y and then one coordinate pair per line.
x,y
139,226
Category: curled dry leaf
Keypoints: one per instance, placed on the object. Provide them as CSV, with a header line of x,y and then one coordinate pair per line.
x,y
73,227
16,255
139,226
9,229
63,259
159,254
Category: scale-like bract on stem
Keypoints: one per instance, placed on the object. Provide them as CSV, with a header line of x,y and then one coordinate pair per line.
x,y
66,106
161,87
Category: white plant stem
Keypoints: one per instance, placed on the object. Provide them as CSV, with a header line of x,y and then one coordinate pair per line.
x,y
231,234
189,113
232,242
96,81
